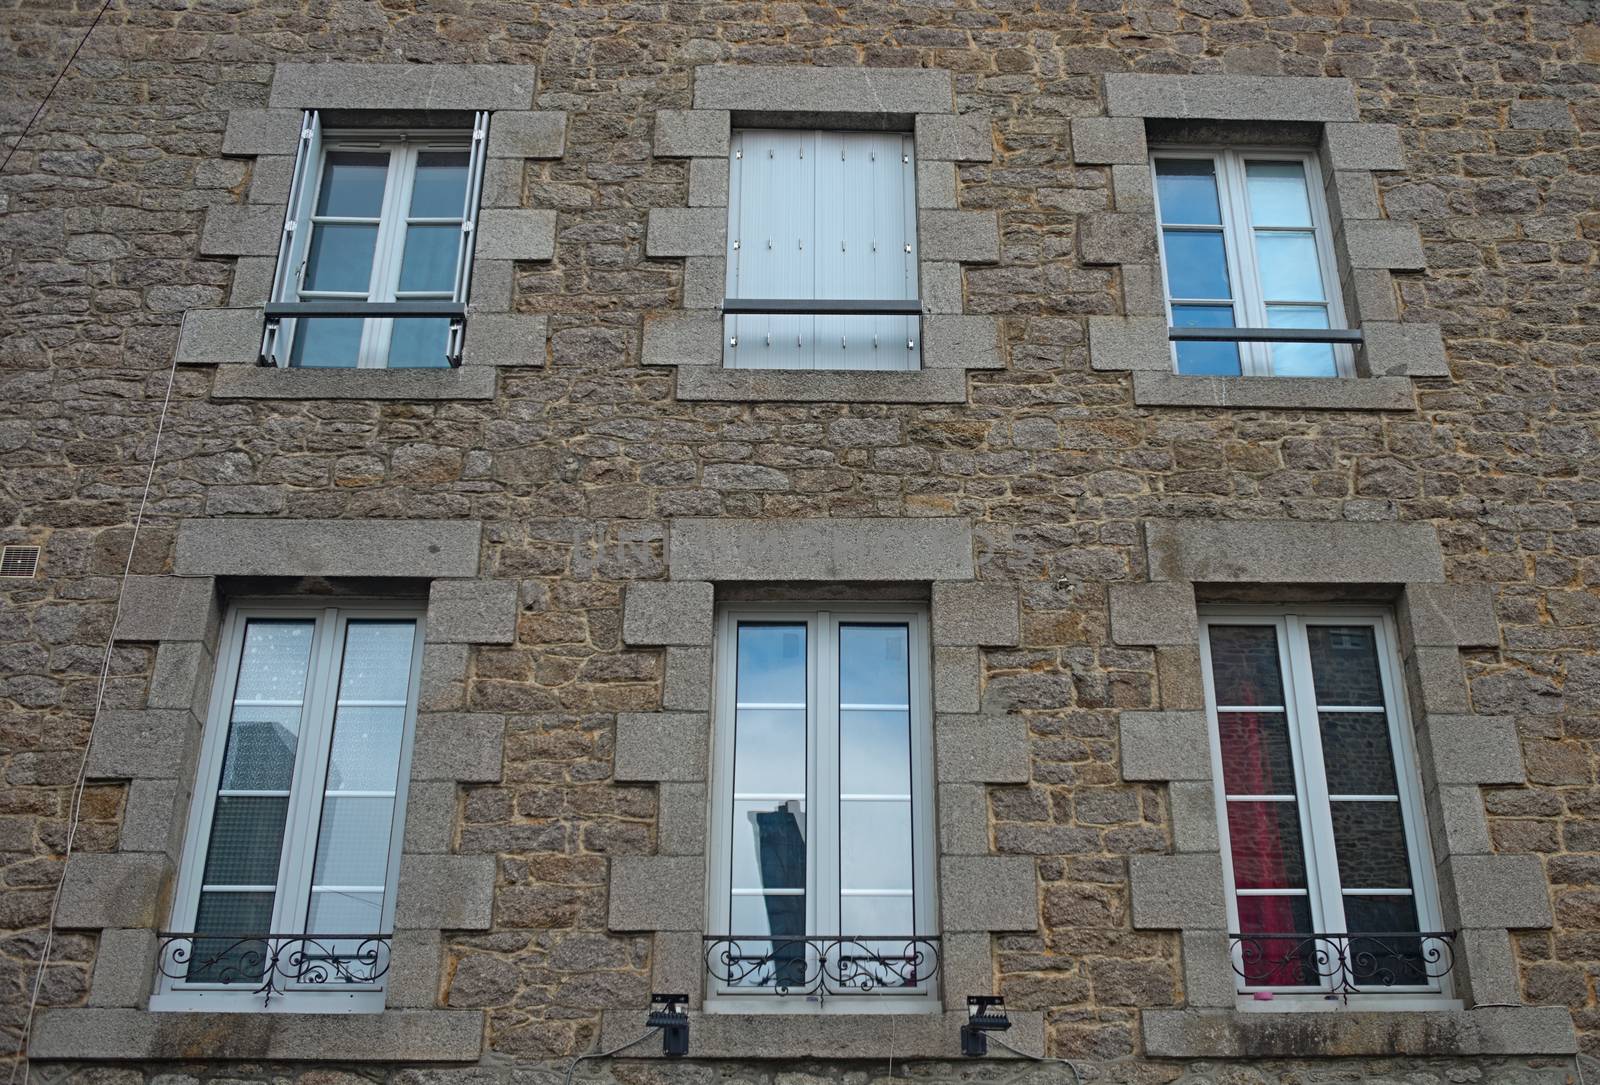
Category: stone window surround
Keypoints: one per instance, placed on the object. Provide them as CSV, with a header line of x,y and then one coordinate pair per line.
x,y
1484,895
507,232
123,895
975,745
919,100
1367,246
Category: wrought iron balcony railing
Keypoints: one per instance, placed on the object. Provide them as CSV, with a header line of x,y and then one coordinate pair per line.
x,y
1344,336
813,963
271,964
1344,964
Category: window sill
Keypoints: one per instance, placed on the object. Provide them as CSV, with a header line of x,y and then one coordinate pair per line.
x,y
391,1036
1229,1034
1152,389
264,382
714,383
824,1036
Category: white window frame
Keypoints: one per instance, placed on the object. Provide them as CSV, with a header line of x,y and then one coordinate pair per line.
x,y
822,870
301,222
1322,874
822,217
305,805
1249,299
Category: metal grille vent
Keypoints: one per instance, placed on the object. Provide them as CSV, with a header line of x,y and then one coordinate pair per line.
x,y
19,561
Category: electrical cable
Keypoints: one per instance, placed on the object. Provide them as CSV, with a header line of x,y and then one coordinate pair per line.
x,y
76,809
1038,1058
604,1054
51,92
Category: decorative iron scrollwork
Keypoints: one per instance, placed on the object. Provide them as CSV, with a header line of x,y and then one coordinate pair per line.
x,y
812,964
271,964
1343,964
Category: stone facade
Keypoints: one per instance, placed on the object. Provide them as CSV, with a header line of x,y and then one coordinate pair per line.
x,y
573,503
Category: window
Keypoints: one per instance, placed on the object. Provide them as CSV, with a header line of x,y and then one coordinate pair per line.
x,y
1245,243
1328,865
380,223
823,830
286,897
820,225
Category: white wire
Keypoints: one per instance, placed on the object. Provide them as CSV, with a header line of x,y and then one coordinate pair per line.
x,y
605,1054
1038,1058
76,809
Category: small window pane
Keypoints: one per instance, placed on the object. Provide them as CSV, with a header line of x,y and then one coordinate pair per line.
x,y
1301,359
327,342
366,749
874,844
1187,188
440,188
246,840
429,263
1277,194
1344,665
1356,749
769,844
767,961
340,260
1371,840
875,753
377,661
1388,961
272,668
1244,665
1264,838
769,755
772,664
261,748
353,841
344,912
353,184
228,958
863,915
1197,264
1256,756
1288,265
1206,359
419,343
873,665
1288,960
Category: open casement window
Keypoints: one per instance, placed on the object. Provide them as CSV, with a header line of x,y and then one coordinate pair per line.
x,y
286,896
379,236
823,836
1245,243
1330,890
822,225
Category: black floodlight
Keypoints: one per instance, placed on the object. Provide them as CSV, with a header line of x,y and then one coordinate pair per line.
x,y
985,1013
669,1013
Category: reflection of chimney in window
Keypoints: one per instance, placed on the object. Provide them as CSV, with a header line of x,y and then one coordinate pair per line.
x,y
19,561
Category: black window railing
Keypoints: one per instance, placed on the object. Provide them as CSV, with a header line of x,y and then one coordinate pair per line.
x,y
278,311
271,964
821,307
808,964
1345,336
1343,964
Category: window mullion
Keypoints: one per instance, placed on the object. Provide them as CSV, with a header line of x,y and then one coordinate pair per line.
x,y
389,249
1248,293
1321,851
311,763
823,780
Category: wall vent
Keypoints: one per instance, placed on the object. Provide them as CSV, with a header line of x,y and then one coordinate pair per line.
x,y
19,561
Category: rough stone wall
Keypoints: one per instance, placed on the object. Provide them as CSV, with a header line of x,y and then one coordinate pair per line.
x,y
577,467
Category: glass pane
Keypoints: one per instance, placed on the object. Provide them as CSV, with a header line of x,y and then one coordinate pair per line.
x,y
1288,265
1187,189
1356,749
377,661
1264,838
1391,961
261,748
875,753
429,263
1370,838
366,749
1380,914
341,912
246,840
327,342
341,258
1244,665
272,666
877,915
329,961
1301,359
1256,755
769,844
1288,960
440,188
772,664
264,728
868,964
769,754
1344,665
230,958
1277,193
353,183
764,962
1206,359
419,343
873,665
353,841
1197,264
875,844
